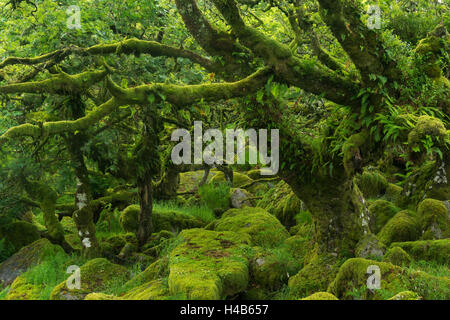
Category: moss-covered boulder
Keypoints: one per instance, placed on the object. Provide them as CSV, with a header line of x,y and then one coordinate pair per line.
x,y
27,257
434,220
129,218
22,290
354,274
283,203
429,250
393,193
239,179
264,229
321,296
240,197
154,271
271,268
381,211
372,183
19,234
315,276
95,276
190,180
370,247
397,256
100,296
162,220
406,295
209,265
402,227
114,244
153,290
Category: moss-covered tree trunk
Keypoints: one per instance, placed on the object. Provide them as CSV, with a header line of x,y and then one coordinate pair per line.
x,y
83,215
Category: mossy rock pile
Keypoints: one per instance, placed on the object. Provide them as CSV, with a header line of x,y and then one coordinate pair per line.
x,y
263,228
209,265
402,227
428,250
282,202
95,275
25,258
19,234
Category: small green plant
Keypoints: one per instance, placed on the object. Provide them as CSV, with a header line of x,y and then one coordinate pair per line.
x,y
202,212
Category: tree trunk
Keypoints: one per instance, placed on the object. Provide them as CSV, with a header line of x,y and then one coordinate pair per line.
x,y
146,205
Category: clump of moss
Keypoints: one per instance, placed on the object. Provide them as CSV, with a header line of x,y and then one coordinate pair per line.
x,y
434,220
353,276
315,276
402,227
283,203
162,220
397,256
209,264
372,183
19,234
264,229
406,295
370,247
426,126
393,193
21,289
129,218
321,296
96,275
239,179
153,290
430,250
381,211
271,268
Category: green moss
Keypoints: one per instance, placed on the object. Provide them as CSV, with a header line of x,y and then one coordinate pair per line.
x,y
397,256
156,270
69,225
100,296
129,218
20,234
271,268
264,229
162,220
254,174
402,227
426,126
370,247
434,220
351,151
372,183
381,211
239,179
282,202
96,275
430,250
353,276
393,192
190,180
153,290
321,296
21,289
315,276
406,295
209,264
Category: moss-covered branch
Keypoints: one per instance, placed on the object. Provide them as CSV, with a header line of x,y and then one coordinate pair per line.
x,y
56,127
185,95
303,73
363,45
61,83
